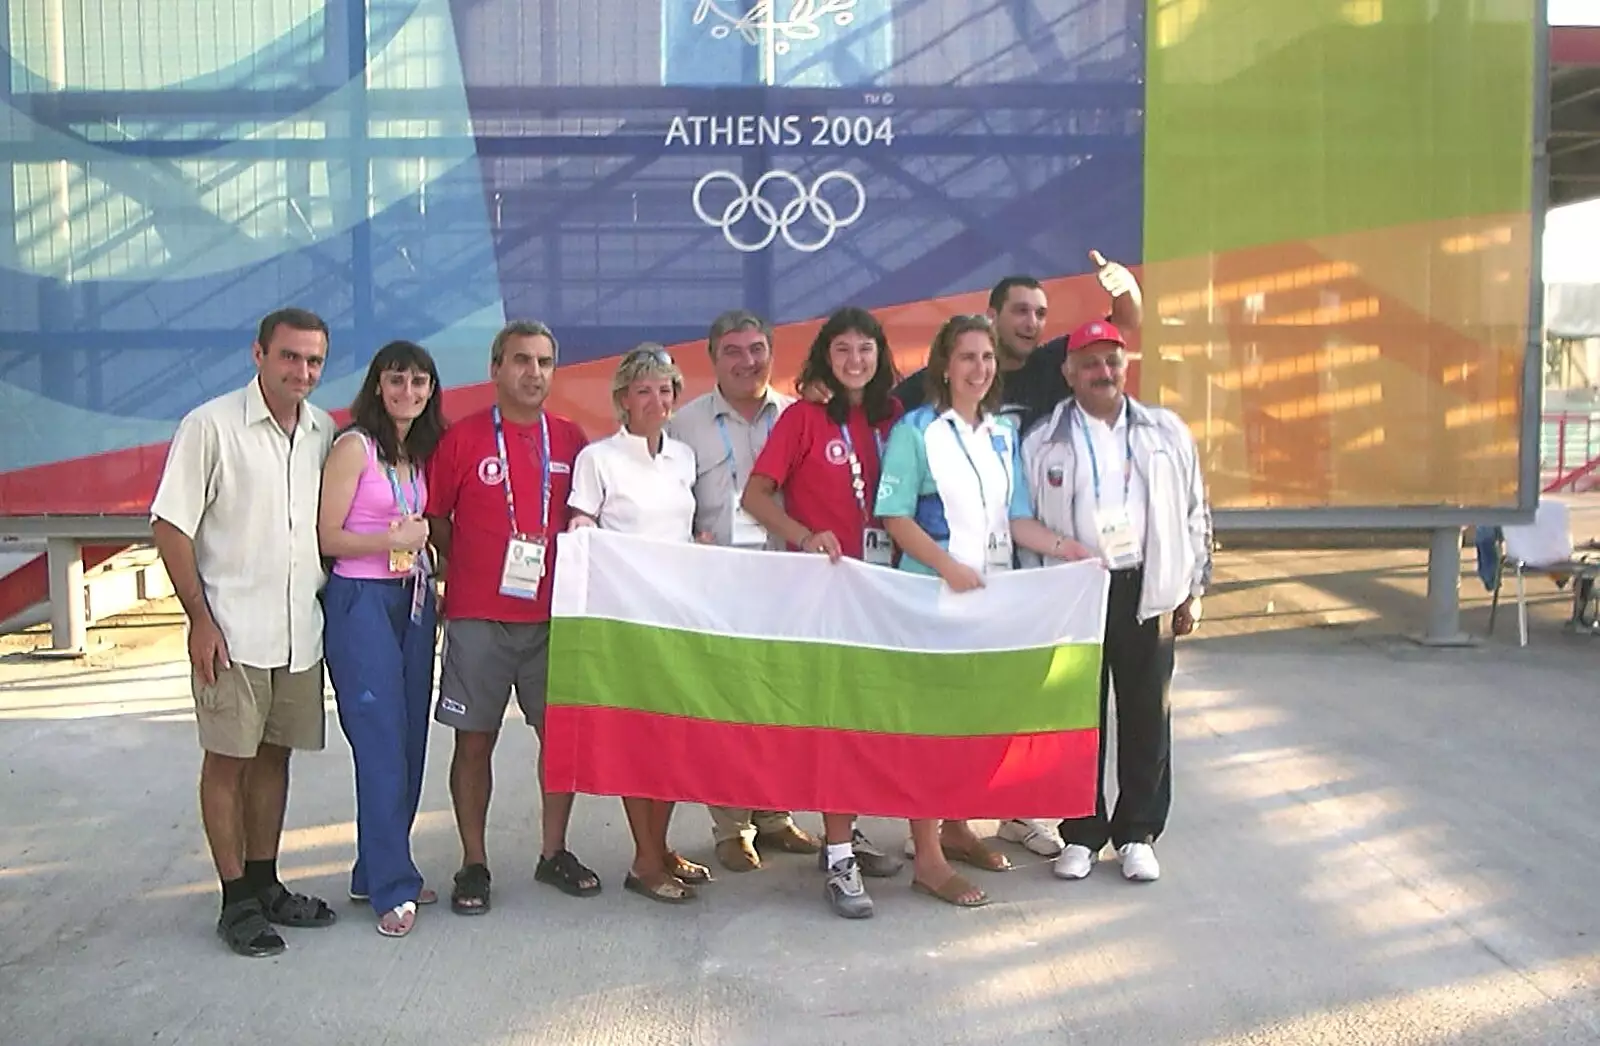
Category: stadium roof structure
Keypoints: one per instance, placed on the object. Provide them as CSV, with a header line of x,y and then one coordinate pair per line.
x,y
1574,114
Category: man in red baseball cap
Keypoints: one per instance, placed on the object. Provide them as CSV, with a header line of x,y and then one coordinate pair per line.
x,y
1122,479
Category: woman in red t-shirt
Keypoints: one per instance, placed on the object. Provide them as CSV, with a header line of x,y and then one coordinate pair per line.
x,y
825,459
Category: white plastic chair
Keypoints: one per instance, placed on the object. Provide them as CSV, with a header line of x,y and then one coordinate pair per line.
x,y
1543,547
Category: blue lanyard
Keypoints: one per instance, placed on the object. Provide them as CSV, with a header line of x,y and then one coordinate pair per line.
x,y
727,444
997,442
1094,463
858,483
422,566
399,498
505,474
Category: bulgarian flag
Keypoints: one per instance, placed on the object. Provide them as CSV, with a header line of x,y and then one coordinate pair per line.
x,y
780,681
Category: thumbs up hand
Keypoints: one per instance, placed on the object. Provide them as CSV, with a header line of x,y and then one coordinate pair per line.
x,y
1115,278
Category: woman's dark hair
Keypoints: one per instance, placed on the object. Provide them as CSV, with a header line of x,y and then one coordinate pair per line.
x,y
944,347
368,413
819,367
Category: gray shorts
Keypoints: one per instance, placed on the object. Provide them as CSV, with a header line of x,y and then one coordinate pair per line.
x,y
483,662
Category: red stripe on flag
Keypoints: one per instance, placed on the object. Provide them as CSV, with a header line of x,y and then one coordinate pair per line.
x,y
613,751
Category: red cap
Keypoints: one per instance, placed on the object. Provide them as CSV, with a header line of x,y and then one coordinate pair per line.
x,y
1092,332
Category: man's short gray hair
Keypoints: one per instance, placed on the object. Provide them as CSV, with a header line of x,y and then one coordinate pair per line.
x,y
736,320
521,329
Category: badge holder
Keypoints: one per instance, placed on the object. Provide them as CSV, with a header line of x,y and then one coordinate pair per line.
x,y
747,533
876,547
1118,544
998,554
523,569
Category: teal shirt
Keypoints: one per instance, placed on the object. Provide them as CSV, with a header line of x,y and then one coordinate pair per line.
x,y
925,463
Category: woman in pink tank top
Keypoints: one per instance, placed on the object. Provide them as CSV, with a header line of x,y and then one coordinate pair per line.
x,y
380,616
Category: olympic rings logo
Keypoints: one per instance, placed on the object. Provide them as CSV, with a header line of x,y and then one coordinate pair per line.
x,y
780,221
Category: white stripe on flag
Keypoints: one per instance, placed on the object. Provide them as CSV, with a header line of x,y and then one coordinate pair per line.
x,y
797,596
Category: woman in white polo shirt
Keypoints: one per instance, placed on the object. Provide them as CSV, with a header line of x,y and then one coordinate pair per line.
x,y
954,499
641,481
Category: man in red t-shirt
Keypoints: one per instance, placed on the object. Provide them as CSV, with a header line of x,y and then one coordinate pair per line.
x,y
497,498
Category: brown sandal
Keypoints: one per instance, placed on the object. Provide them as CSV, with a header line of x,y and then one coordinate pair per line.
x,y
667,888
978,855
951,892
686,871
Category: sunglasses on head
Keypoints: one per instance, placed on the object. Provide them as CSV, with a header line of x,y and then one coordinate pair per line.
x,y
660,356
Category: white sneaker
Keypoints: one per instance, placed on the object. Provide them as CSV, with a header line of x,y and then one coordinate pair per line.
x,y
1139,862
1075,862
1035,835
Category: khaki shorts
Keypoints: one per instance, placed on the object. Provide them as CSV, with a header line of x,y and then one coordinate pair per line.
x,y
249,707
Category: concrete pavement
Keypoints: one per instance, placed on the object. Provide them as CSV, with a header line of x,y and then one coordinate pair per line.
x,y
1372,843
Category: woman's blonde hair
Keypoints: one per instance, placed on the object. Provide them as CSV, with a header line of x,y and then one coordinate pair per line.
x,y
641,363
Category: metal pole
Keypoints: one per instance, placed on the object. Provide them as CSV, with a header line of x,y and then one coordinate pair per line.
x,y
1444,591
69,626
1532,428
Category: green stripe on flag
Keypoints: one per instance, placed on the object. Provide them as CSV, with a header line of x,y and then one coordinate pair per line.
x,y
597,661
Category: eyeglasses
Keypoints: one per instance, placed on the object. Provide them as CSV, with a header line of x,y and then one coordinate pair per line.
x,y
660,356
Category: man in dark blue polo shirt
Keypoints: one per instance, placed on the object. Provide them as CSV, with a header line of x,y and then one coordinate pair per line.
x,y
1031,372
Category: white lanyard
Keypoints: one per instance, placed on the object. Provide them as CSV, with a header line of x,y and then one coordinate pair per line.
x,y
998,442
858,483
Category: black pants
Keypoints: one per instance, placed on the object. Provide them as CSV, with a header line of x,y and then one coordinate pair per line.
x,y
1137,659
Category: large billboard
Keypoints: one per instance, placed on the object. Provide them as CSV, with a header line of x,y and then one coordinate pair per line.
x,y
1328,203
1339,230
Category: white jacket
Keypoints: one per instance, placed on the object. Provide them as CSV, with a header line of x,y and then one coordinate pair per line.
x,y
1177,545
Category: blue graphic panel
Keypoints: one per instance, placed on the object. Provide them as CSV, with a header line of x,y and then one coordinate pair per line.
x,y
161,200
616,168
781,43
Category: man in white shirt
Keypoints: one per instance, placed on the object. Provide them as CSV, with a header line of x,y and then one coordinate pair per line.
x,y
235,521
726,428
1123,479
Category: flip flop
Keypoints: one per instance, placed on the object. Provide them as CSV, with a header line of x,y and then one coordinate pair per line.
x,y
398,921
951,891
426,896
686,871
978,855
668,890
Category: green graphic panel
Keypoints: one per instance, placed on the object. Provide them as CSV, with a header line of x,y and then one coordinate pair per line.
x,y
1280,120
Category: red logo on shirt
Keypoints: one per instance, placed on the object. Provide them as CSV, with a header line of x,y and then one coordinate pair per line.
x,y
490,471
836,452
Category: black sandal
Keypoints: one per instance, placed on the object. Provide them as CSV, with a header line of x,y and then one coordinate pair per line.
x,y
286,908
566,873
471,893
244,928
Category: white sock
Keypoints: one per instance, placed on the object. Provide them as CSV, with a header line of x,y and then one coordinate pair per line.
x,y
838,852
